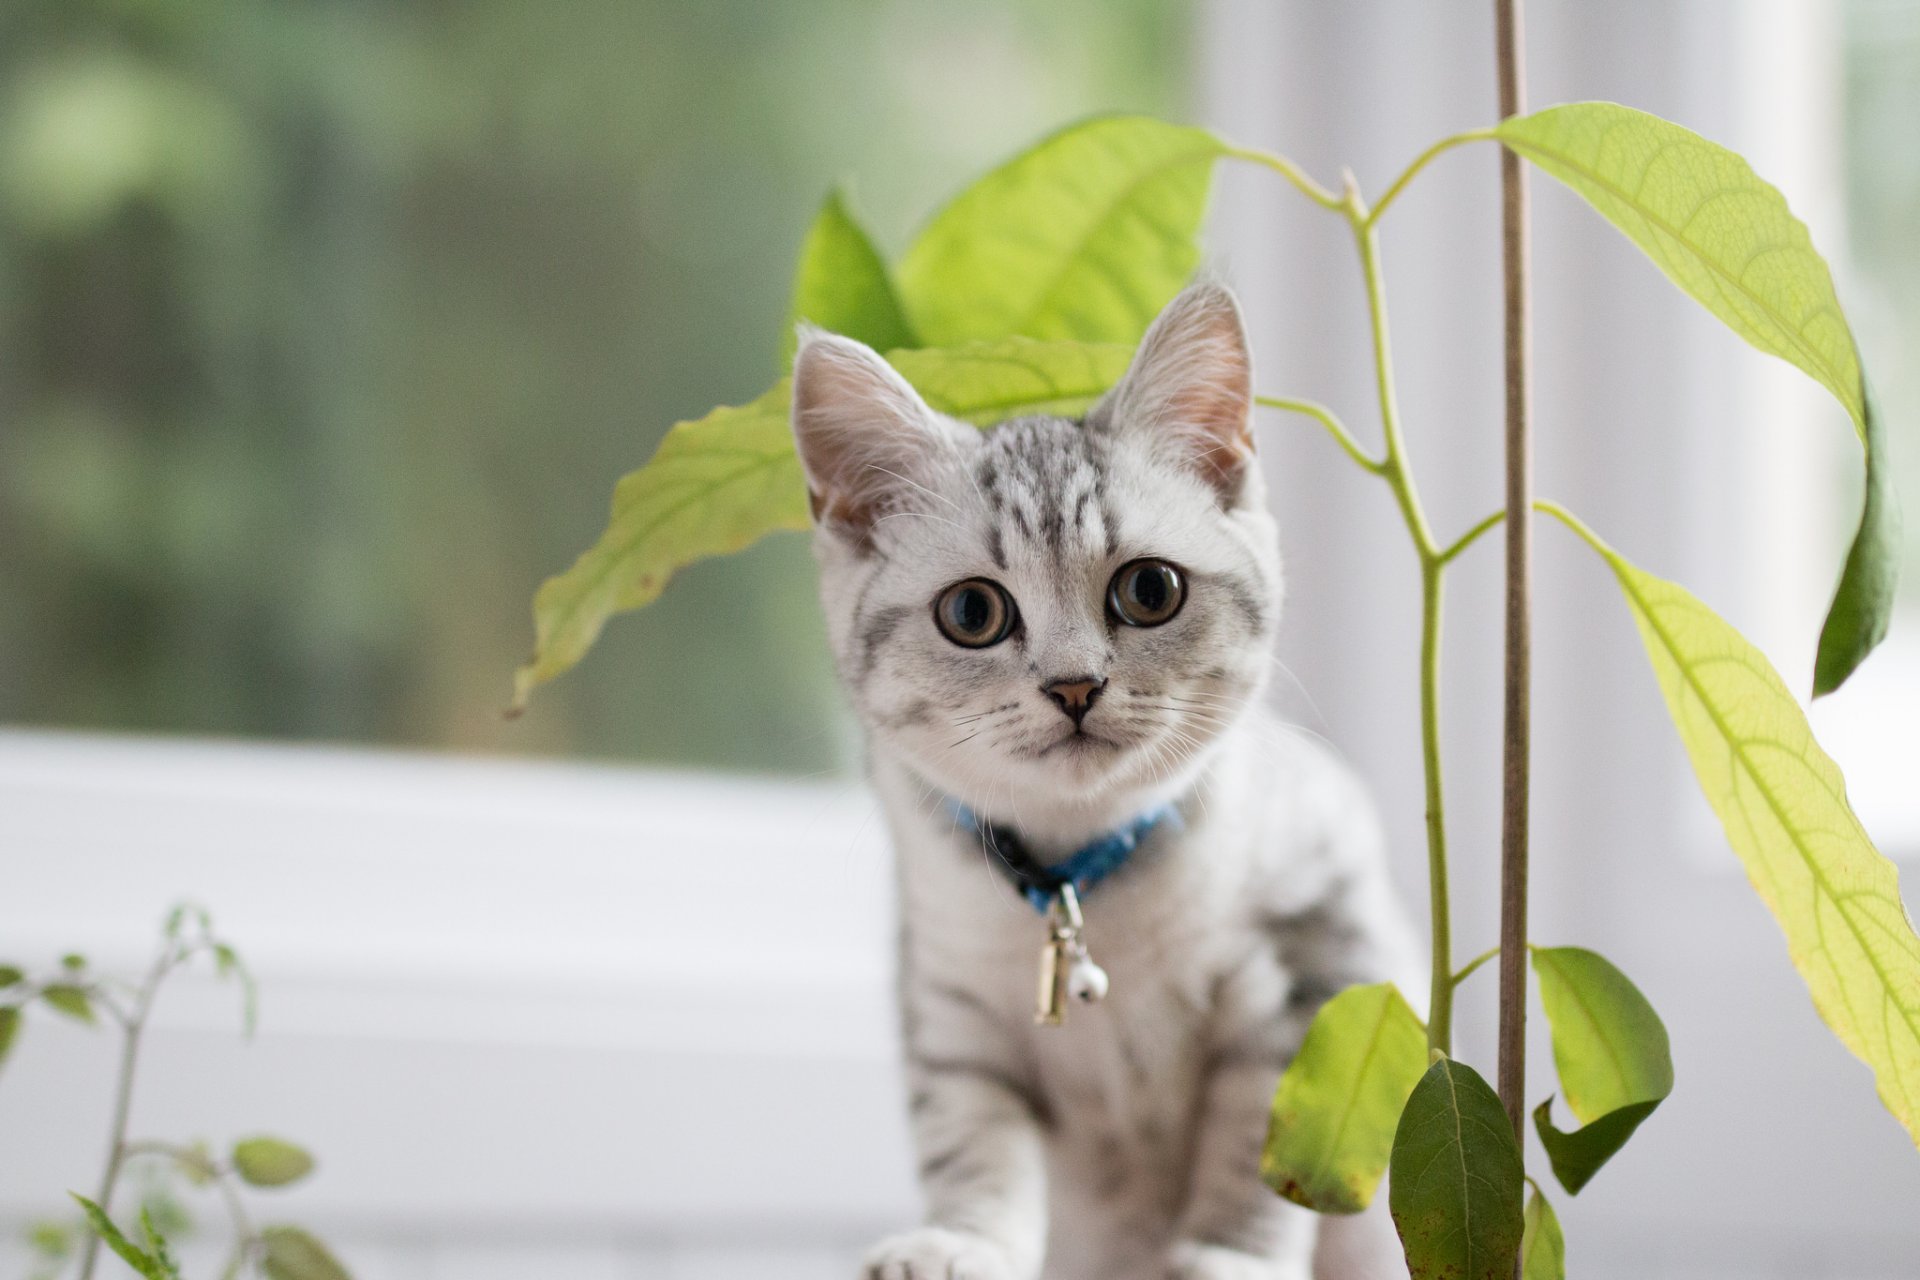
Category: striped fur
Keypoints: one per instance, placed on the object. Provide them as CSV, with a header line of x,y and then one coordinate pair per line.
x,y
1123,1145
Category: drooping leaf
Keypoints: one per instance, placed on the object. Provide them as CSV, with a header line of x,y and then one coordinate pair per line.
x,y
1456,1186
69,1000
9,1028
1084,236
842,285
1543,1250
228,964
1611,1051
718,484
1729,240
714,486
1783,804
1339,1102
270,1162
288,1253
129,1252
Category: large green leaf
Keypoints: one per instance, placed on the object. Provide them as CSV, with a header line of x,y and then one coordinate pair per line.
x,y
718,484
1727,238
1611,1051
1085,236
843,286
1784,806
1334,1114
1456,1186
713,486
1543,1250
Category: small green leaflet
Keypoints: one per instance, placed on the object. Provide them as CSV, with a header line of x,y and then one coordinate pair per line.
x,y
843,286
270,1162
289,1253
1335,1112
9,1028
69,1000
1783,805
1611,1051
1728,239
1084,236
718,484
1456,1185
147,1264
1543,1250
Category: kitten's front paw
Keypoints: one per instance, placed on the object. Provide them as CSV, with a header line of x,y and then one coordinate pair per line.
x,y
1191,1261
934,1253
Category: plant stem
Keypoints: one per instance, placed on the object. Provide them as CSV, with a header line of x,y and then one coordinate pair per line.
x,y
1509,41
1292,172
131,1028
1420,162
1471,536
1473,964
1335,428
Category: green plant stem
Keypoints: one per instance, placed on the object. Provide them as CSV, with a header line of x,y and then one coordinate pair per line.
x,y
1470,537
220,1175
1420,162
1475,963
1335,428
1292,172
132,1026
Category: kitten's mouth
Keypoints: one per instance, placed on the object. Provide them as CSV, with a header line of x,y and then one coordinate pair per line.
x,y
1078,742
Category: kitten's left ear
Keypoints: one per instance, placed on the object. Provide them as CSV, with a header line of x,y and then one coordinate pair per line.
x,y
1190,389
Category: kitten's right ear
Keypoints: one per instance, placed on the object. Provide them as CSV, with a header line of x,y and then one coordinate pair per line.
x,y
867,441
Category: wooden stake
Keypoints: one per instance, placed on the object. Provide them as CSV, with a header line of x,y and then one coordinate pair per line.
x,y
1509,41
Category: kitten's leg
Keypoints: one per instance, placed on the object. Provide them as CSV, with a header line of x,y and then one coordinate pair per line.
x,y
1235,1227
982,1159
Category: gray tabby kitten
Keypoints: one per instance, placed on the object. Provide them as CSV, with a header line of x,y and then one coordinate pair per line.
x,y
1062,626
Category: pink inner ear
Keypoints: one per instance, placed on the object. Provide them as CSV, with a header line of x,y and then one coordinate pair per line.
x,y
1216,410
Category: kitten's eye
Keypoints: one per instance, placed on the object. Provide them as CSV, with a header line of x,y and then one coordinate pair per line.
x,y
975,613
1146,593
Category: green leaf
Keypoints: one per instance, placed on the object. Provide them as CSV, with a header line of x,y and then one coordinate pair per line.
x,y
69,1000
1728,239
130,1253
1611,1051
714,486
1456,1185
1334,1115
288,1253
73,961
1543,1250
162,1260
718,484
270,1162
9,1028
227,963
1085,236
1783,804
843,286
11,976
52,1238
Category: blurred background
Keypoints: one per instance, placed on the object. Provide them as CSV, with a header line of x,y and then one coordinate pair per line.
x,y
326,328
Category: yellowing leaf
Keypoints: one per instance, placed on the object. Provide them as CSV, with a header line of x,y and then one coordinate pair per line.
x,y
1784,806
1339,1102
842,285
1085,236
1543,1250
1727,238
718,484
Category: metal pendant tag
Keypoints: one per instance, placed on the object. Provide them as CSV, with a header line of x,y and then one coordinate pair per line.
x,y
1051,1010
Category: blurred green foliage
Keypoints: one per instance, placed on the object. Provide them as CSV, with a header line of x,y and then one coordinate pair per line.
x,y
325,329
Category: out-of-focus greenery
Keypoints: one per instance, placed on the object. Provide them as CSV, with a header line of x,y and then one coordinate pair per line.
x,y
325,329
1883,206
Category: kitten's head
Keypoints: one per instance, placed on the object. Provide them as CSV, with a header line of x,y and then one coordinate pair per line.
x,y
1049,611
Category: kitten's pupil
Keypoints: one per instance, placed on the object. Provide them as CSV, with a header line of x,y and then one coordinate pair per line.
x,y
1150,591
974,610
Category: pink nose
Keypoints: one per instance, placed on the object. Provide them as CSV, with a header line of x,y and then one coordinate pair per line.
x,y
1076,696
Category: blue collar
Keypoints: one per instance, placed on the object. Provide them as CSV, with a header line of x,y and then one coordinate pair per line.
x,y
1084,869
